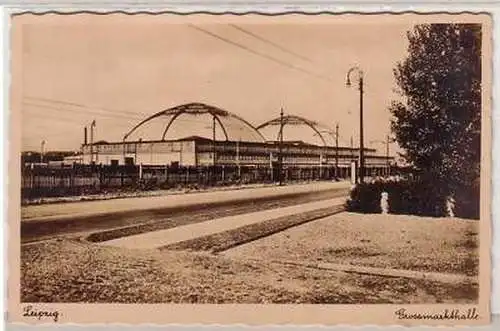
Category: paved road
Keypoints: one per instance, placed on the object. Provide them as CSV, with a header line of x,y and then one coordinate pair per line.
x,y
161,238
89,208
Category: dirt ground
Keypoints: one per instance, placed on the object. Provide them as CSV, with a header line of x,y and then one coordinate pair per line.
x,y
392,241
67,270
70,271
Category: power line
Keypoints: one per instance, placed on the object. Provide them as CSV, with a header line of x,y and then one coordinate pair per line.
x,y
269,42
122,114
52,117
55,108
84,106
265,56
84,112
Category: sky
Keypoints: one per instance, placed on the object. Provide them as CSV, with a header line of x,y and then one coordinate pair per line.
x,y
119,71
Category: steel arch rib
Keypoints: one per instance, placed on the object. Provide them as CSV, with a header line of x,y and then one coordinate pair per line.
x,y
249,125
158,114
179,113
312,126
286,120
142,122
184,111
221,125
263,125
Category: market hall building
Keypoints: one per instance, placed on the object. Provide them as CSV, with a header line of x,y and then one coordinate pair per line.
x,y
243,146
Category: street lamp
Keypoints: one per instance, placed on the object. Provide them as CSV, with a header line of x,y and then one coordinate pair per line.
x,y
361,147
280,157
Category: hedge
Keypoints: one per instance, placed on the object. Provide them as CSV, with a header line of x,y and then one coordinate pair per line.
x,y
414,197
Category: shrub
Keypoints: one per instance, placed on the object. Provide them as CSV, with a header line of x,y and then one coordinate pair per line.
x,y
468,199
423,198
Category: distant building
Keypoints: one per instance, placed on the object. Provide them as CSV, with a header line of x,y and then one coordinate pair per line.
x,y
251,151
73,159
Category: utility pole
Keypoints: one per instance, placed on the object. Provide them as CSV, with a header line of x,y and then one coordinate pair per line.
x,y
85,142
352,148
92,126
336,150
385,142
238,157
213,149
42,150
280,157
387,156
213,140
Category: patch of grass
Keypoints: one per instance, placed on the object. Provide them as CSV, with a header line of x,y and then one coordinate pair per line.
x,y
208,213
223,241
352,252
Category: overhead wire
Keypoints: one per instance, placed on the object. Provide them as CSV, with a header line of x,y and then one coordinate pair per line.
x,y
59,109
113,116
78,105
269,42
262,55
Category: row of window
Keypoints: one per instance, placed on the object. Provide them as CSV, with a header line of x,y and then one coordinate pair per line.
x,y
133,148
267,150
286,159
177,147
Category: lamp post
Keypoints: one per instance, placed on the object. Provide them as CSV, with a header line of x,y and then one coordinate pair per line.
x,y
361,147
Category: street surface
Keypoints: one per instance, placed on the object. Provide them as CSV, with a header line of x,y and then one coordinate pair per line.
x,y
142,215
87,208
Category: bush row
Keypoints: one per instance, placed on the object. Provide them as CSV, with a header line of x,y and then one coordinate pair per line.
x,y
414,197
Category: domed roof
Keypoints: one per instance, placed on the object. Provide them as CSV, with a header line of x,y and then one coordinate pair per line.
x,y
272,127
228,125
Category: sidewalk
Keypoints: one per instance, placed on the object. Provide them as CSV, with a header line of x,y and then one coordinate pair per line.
x,y
170,236
90,208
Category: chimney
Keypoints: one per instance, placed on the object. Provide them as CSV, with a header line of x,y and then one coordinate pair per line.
x,y
85,136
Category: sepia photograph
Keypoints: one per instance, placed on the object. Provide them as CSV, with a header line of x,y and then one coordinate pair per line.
x,y
210,161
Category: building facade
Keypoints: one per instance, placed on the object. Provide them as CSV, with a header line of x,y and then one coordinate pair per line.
x,y
200,152
195,151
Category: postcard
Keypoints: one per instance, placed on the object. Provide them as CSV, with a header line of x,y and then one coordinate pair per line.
x,y
250,169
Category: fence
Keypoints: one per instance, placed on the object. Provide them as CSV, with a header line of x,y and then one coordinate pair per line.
x,y
38,182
